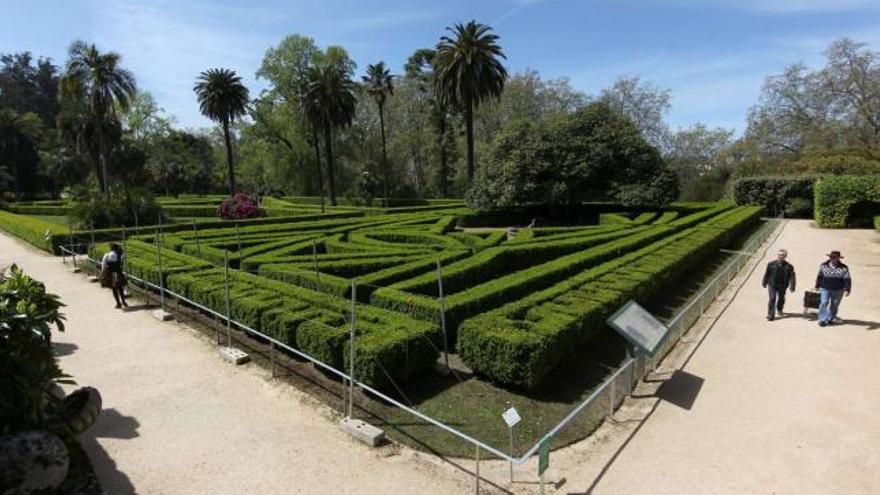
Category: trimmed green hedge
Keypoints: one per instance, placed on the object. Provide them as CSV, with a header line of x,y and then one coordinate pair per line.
x,y
790,195
520,343
42,234
877,223
387,342
847,200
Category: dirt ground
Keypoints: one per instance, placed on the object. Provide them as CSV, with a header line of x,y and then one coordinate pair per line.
x,y
757,406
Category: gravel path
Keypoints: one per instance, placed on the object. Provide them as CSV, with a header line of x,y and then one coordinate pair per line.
x,y
178,419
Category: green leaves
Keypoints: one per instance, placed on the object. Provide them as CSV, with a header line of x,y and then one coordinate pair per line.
x,y
27,366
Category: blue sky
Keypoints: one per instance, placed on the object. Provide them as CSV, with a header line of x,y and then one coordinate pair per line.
x,y
713,55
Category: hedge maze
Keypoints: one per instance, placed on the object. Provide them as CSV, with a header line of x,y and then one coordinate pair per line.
x,y
513,308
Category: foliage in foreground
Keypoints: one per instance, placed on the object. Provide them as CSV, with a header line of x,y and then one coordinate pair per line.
x,y
28,367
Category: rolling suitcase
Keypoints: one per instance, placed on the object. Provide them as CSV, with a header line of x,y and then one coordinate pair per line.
x,y
811,300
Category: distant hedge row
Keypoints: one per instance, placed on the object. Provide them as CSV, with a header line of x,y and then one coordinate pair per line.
x,y
847,200
792,196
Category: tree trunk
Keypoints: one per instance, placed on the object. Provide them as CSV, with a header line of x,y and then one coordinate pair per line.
x,y
102,161
230,172
328,150
469,121
443,158
384,153
318,166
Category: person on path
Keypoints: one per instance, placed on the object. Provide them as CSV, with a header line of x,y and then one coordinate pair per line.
x,y
112,272
833,282
778,276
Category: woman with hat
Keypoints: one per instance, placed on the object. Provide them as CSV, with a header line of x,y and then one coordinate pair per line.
x,y
833,282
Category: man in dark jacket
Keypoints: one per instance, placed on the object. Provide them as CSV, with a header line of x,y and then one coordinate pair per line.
x,y
833,282
778,277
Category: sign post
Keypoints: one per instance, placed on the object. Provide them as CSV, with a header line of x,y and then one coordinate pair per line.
x,y
511,417
639,327
543,460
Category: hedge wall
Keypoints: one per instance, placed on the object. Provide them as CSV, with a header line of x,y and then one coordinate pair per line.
x,y
520,343
315,323
847,200
790,195
42,234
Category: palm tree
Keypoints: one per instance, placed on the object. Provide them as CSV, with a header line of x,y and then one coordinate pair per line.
x,y
329,102
468,71
19,135
379,84
222,98
106,87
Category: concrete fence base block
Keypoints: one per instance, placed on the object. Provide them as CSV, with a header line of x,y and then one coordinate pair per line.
x,y
75,269
233,355
362,431
162,315
93,279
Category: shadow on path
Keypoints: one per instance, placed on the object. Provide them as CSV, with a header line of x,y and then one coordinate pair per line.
x,y
110,424
64,348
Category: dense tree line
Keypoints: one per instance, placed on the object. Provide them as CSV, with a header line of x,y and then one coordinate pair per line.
x,y
453,119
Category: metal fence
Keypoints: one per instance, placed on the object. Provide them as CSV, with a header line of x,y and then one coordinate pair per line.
x,y
587,415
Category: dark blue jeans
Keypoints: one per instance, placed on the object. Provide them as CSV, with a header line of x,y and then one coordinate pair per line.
x,y
777,299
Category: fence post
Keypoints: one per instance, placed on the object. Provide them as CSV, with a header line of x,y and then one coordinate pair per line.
x,y
272,356
161,277
477,477
351,353
611,398
315,263
92,236
228,309
238,236
70,240
198,244
442,316
137,225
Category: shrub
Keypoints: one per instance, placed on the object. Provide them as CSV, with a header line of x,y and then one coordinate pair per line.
x,y
238,207
42,234
132,207
791,195
847,200
522,342
28,367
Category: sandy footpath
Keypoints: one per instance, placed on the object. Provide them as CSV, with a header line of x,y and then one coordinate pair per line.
x,y
178,419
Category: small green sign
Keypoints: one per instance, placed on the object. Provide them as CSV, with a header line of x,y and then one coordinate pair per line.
x,y
543,456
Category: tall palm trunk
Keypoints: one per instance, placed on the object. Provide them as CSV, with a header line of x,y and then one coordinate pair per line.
x,y
102,161
318,166
469,122
328,150
230,172
384,153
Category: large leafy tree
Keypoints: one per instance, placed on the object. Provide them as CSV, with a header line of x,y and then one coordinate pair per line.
x,y
329,102
286,67
379,83
20,135
103,86
222,98
468,71
592,154
26,86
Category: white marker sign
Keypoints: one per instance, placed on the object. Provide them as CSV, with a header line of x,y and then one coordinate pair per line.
x,y
511,417
639,327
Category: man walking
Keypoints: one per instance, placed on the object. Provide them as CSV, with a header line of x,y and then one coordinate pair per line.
x,y
778,277
833,282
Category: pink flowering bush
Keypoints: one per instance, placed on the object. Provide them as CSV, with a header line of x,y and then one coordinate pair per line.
x,y
238,207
